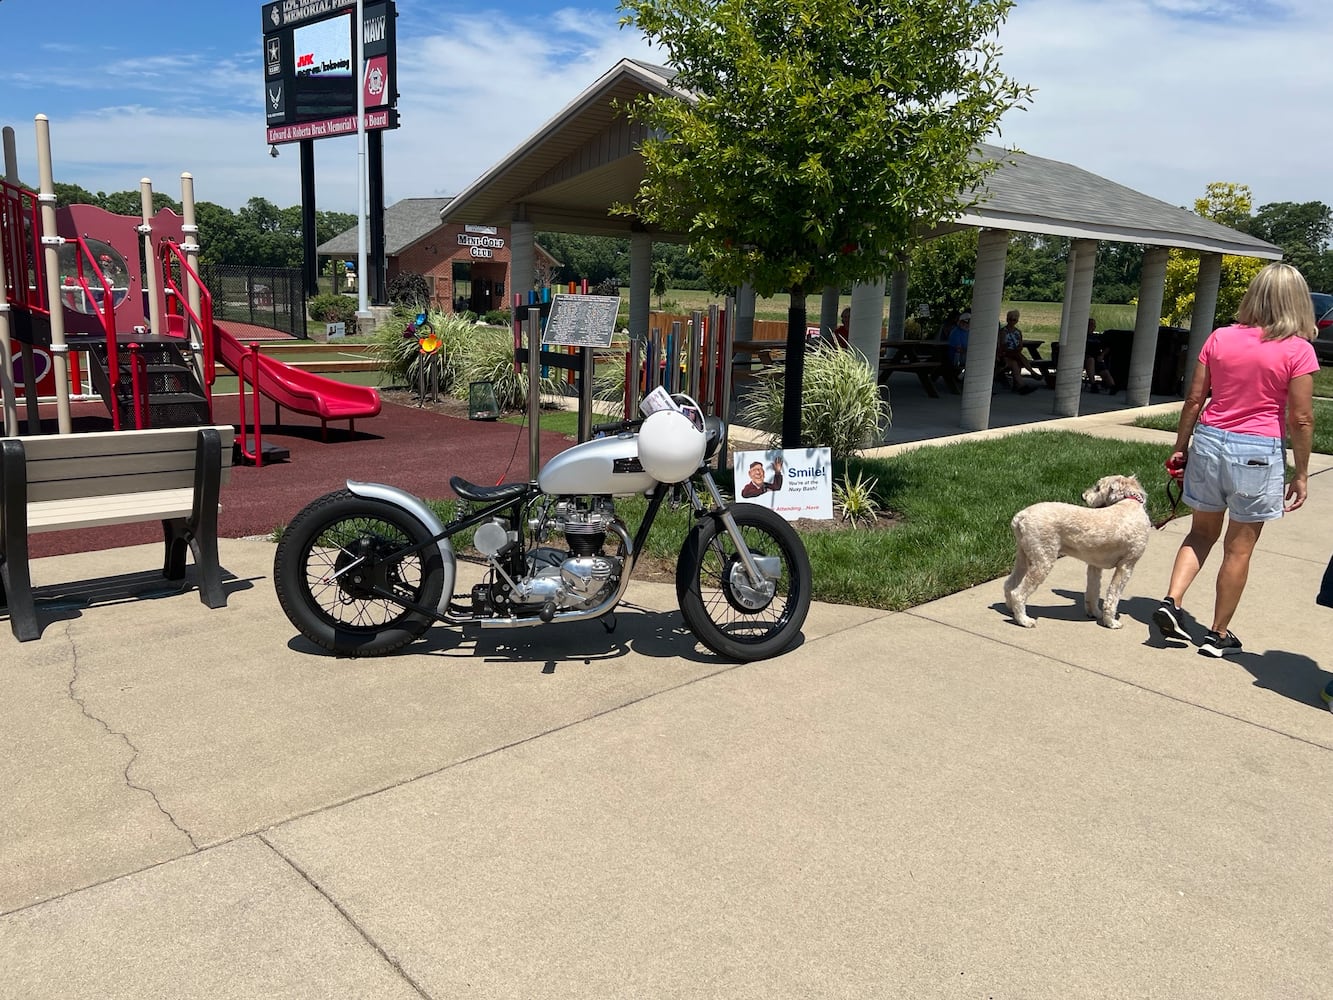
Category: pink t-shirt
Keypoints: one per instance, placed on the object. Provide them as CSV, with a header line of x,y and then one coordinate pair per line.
x,y
1250,376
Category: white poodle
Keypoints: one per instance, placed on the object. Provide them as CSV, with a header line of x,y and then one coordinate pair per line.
x,y
1110,533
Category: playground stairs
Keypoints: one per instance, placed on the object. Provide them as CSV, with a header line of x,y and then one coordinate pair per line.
x,y
171,390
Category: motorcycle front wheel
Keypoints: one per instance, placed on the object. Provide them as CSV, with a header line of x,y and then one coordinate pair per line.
x,y
722,609
332,556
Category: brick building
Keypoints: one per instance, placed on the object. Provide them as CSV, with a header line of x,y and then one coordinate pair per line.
x,y
464,265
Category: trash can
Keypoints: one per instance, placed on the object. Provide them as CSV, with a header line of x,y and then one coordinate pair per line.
x,y
1119,345
1168,367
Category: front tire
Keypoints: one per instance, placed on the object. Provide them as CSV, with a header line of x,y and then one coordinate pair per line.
x,y
331,604
727,616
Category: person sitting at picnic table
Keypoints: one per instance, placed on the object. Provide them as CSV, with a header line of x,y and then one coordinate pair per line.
x,y
1011,352
1096,362
958,341
842,335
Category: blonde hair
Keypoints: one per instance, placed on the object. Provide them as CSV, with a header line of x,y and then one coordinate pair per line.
x,y
1278,301
1012,316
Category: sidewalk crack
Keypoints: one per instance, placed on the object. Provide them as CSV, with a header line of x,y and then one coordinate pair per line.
x,y
365,935
75,673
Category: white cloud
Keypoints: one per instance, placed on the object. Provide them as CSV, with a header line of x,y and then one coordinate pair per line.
x,y
1166,103
1161,95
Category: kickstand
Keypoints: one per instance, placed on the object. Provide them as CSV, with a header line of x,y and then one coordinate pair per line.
x,y
609,623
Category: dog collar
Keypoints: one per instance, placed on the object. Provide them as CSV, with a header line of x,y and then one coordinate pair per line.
x,y
1137,496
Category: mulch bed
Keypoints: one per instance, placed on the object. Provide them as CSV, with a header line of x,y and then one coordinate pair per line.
x,y
415,448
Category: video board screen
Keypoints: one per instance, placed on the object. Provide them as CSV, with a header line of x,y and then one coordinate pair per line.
x,y
323,84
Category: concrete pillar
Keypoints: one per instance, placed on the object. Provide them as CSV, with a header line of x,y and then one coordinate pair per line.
x,y
522,260
1069,369
640,285
828,311
1152,282
987,292
745,312
1067,304
867,320
1205,308
898,304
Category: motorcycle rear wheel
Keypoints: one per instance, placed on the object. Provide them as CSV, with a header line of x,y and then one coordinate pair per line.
x,y
710,578
331,604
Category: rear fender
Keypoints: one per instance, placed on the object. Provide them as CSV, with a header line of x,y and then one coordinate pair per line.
x,y
417,508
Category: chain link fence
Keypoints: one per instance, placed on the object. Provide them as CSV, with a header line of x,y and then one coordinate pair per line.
x,y
265,296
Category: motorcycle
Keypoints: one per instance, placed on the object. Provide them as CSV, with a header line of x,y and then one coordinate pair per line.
x,y
366,570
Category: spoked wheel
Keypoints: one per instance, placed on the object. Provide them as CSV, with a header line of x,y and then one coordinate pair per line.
x,y
724,608
333,558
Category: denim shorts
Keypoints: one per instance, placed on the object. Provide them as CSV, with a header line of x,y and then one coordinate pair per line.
x,y
1242,474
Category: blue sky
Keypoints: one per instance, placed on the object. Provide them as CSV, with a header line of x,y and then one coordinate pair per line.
x,y
1161,95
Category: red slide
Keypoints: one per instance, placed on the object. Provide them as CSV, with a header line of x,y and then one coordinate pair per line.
x,y
298,390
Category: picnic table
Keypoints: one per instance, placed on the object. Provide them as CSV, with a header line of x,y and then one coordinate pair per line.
x,y
926,359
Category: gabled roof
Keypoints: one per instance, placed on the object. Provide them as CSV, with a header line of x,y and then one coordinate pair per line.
x,y
1032,194
405,222
569,173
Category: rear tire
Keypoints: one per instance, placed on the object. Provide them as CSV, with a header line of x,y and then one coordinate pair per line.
x,y
732,621
342,615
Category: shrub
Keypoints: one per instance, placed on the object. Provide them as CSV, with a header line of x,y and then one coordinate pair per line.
x,y
409,289
497,317
855,498
399,356
488,356
842,407
332,308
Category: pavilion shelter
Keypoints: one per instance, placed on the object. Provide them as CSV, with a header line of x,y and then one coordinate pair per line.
x,y
568,175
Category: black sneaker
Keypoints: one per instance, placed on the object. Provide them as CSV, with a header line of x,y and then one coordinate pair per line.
x,y
1169,620
1218,645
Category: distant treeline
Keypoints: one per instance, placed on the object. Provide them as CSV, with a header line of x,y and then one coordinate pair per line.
x,y
260,234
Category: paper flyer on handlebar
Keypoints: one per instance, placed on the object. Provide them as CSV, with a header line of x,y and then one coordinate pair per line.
x,y
794,482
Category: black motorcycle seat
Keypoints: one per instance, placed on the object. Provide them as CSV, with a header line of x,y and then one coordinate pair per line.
x,y
486,494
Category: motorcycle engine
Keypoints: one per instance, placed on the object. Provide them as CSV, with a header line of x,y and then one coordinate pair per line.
x,y
575,577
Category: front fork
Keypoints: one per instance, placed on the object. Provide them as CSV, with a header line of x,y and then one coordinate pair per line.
x,y
757,578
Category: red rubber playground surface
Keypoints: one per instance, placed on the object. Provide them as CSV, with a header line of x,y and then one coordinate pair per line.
x,y
405,446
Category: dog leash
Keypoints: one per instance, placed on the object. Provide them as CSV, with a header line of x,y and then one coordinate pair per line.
x,y
1174,489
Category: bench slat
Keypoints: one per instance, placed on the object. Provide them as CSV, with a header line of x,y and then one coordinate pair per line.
x,y
44,447
127,508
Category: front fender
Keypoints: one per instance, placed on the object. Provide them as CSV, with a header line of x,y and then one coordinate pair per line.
x,y
418,508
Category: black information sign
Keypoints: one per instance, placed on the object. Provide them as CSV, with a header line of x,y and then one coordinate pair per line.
x,y
582,320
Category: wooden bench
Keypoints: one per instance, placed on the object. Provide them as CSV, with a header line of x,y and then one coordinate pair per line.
x,y
57,482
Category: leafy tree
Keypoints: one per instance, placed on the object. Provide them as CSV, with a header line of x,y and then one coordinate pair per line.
x,y
817,135
1228,204
660,277
1303,232
596,258
1035,268
940,275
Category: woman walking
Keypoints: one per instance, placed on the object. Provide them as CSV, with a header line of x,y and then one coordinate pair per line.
x,y
1259,374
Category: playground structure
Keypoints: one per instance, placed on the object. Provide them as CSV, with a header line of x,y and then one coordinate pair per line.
x,y
124,314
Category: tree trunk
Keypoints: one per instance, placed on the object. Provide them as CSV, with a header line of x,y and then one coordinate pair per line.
x,y
795,369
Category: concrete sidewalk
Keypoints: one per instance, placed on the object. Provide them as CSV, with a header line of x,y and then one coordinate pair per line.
x,y
936,803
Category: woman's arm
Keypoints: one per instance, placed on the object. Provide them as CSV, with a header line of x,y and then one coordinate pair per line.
x,y
1300,429
1189,413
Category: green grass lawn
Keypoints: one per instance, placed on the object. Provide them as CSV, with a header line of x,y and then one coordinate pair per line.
x,y
952,506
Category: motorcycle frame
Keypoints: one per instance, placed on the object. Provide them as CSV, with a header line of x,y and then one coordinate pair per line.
x,y
513,508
